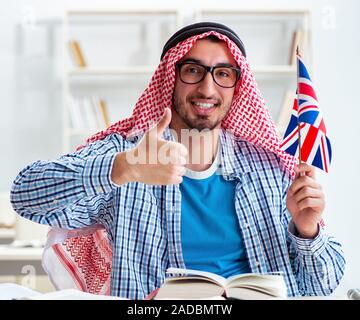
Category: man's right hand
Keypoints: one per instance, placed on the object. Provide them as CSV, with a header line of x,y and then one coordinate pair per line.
x,y
154,161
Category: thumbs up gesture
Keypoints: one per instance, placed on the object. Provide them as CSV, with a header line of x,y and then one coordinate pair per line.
x,y
154,161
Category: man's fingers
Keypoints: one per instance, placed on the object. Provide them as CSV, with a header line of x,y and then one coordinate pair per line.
x,y
181,170
174,174
172,153
181,161
310,203
305,169
301,182
308,192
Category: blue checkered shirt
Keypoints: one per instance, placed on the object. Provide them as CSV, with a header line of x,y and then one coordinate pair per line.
x,y
143,221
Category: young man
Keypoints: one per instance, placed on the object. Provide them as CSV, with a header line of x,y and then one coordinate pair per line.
x,y
207,187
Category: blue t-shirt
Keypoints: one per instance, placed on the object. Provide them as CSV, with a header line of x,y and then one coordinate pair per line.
x,y
210,234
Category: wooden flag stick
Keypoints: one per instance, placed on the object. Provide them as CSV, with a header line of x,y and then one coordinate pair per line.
x,y
299,139
298,125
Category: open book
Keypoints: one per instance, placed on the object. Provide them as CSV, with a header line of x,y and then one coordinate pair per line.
x,y
194,284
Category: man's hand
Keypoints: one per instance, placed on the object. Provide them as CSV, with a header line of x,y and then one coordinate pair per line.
x,y
305,201
154,161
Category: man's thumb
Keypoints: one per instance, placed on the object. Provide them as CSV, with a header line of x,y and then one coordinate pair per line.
x,y
164,122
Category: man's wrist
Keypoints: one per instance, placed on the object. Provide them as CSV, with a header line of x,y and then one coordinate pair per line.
x,y
310,233
122,171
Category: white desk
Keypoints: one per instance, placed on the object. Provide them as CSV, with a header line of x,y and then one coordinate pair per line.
x,y
13,260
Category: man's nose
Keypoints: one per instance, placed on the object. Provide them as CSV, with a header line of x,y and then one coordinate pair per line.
x,y
207,86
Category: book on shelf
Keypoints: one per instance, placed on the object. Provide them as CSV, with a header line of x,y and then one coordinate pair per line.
x,y
285,112
77,54
13,291
298,38
101,111
88,113
104,112
194,284
91,121
75,113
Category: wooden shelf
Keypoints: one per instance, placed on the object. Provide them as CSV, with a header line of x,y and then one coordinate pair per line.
x,y
8,253
125,12
270,11
111,72
7,233
275,70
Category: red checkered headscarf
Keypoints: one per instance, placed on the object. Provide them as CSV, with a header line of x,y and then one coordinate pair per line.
x,y
87,258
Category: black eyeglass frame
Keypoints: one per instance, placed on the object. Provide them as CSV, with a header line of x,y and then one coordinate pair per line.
x,y
211,69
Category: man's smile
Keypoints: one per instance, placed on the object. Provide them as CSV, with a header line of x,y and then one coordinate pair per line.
x,y
204,106
203,109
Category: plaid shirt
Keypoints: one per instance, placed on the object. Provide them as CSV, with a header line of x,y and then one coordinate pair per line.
x,y
143,221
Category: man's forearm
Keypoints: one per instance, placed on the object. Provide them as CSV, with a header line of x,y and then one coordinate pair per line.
x,y
319,263
47,186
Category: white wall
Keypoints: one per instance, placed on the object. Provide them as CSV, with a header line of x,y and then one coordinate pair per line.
x,y
31,130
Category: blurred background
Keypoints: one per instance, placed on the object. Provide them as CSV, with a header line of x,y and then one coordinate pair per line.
x,y
70,68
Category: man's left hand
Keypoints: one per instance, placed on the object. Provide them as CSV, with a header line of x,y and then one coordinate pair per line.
x,y
305,201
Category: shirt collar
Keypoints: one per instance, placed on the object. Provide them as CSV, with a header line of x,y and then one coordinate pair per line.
x,y
233,159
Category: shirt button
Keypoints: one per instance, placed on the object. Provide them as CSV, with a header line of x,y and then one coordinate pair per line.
x,y
99,189
55,201
257,263
247,225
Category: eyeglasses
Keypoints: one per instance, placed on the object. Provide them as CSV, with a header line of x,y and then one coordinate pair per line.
x,y
192,73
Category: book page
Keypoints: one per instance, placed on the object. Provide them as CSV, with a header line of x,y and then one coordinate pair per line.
x,y
248,294
273,284
203,274
185,288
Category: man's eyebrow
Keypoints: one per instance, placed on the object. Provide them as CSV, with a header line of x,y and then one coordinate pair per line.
x,y
220,64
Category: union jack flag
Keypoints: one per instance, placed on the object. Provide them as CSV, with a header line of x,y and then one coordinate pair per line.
x,y
307,121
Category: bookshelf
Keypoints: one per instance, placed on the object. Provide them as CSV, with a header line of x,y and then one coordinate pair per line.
x,y
270,37
118,70
119,51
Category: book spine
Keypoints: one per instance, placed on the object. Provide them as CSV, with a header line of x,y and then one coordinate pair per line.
x,y
104,112
97,112
90,115
75,114
77,54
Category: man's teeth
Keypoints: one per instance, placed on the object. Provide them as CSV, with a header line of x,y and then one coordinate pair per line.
x,y
204,105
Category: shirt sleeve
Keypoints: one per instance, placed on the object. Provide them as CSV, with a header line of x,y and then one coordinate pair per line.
x,y
318,263
73,191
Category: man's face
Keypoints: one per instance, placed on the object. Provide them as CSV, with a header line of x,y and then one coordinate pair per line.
x,y
205,104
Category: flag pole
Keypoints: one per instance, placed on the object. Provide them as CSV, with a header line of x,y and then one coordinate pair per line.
x,y
298,124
